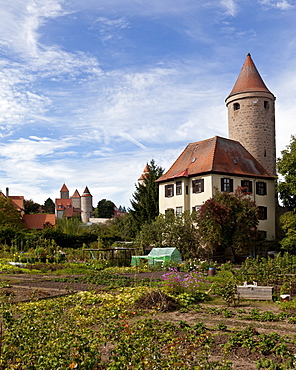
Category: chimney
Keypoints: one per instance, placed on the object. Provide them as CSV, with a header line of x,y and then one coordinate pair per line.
x,y
7,192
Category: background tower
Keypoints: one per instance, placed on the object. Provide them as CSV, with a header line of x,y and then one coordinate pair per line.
x,y
76,200
86,205
64,192
251,115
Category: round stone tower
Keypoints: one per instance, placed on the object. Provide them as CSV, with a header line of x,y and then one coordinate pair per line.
x,y
251,115
86,205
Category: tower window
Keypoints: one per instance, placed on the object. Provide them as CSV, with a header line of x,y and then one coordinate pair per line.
x,y
264,152
236,106
266,104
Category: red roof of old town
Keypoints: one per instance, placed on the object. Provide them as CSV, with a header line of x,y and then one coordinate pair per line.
x,y
38,221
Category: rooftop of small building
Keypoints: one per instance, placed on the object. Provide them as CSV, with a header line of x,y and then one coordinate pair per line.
x,y
215,155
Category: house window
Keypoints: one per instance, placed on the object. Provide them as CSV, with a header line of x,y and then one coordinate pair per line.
x,y
179,211
227,185
236,106
262,213
266,104
198,186
196,208
178,187
246,186
169,191
261,188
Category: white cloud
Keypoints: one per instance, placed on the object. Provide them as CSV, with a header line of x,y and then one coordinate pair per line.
x,y
230,7
282,5
21,21
110,28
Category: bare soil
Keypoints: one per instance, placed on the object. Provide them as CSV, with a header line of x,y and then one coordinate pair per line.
x,y
22,288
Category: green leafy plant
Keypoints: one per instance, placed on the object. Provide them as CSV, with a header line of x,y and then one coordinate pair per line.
x,y
228,293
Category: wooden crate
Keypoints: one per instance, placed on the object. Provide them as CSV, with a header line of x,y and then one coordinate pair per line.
x,y
262,293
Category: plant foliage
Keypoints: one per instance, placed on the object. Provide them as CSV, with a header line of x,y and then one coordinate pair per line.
x,y
228,220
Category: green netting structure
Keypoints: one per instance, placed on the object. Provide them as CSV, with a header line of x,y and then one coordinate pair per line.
x,y
159,256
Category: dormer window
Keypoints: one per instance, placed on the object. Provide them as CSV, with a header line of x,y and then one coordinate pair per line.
x,y
236,106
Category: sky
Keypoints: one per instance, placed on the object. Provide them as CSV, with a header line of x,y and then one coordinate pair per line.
x,y
92,90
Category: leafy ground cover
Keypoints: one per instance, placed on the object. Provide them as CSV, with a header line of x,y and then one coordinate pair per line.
x,y
111,319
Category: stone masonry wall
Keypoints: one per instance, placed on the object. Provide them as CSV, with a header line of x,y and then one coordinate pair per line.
x,y
253,125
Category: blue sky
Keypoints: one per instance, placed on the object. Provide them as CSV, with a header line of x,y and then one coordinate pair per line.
x,y
92,90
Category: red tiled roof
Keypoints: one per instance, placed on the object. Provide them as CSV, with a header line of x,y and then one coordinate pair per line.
x,y
64,203
86,192
76,194
145,173
64,188
215,155
17,201
38,221
249,79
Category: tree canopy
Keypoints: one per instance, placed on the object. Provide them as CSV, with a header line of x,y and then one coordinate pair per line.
x,y
49,206
288,224
286,166
31,206
145,202
105,209
172,230
228,220
9,215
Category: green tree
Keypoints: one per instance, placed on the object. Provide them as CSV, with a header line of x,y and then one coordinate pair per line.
x,y
145,202
286,166
172,230
105,209
228,220
31,206
9,215
288,224
49,206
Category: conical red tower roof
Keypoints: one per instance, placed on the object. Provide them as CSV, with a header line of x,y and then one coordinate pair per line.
x,y
249,79
145,173
76,194
64,188
86,192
